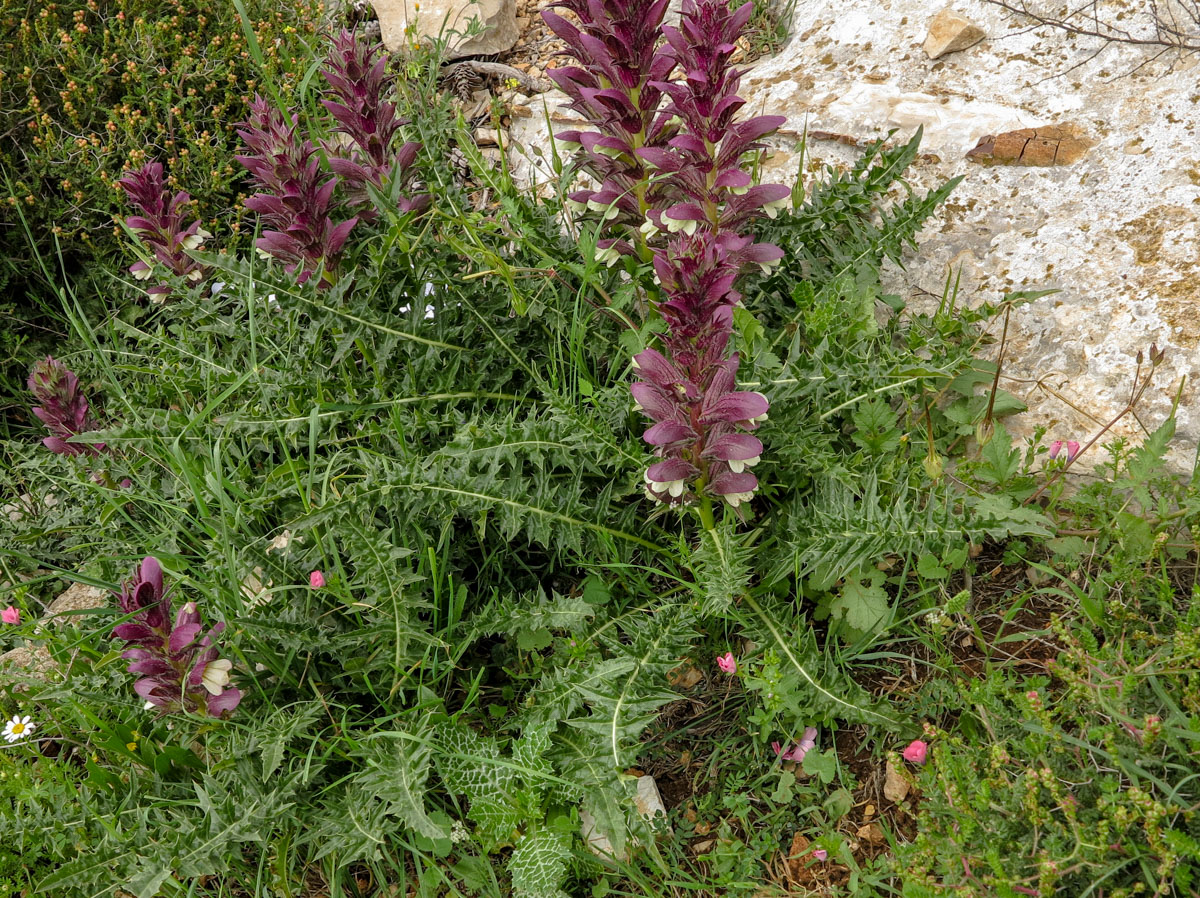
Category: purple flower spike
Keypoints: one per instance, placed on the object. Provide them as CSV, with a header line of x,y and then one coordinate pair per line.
x,y
668,154
179,669
159,226
63,409
360,88
296,204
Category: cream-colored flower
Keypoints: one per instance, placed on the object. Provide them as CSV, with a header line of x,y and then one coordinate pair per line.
x,y
216,675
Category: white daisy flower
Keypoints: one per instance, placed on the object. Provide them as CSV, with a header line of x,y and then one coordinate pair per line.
x,y
18,728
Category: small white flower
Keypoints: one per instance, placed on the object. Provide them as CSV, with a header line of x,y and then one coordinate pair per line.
x,y
217,287
739,191
776,206
18,728
458,832
272,300
143,274
216,675
649,229
262,253
687,225
575,206
149,706
610,256
430,311
763,417
736,499
674,488
195,276
737,465
609,209
195,241
768,267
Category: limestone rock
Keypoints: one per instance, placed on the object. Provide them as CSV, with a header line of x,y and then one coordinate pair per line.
x,y
77,597
949,32
34,661
401,21
895,785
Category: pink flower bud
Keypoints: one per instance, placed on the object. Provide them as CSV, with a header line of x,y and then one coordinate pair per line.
x,y
916,752
727,663
11,615
1055,448
316,580
1072,450
820,854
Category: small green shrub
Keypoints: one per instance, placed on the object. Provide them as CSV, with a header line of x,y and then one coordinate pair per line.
x,y
91,87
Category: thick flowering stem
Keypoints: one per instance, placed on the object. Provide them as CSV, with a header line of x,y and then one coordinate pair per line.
x,y
63,408
179,667
159,226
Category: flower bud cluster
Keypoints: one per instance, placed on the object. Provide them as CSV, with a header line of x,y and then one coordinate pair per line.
x,y
296,198
179,668
696,198
159,227
363,107
63,409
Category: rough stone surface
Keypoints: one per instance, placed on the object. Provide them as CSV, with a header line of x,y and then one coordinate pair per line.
x,y
31,660
949,32
77,597
1056,145
1116,232
434,17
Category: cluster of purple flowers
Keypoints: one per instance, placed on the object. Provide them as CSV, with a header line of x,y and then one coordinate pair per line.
x,y
159,226
296,198
63,408
179,668
364,110
668,155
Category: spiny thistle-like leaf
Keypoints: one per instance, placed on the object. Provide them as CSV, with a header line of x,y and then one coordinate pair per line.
x,y
539,864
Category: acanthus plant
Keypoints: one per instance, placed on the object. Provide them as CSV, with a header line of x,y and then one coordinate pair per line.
x,y
297,198
296,201
697,202
160,228
179,669
363,106
63,408
618,89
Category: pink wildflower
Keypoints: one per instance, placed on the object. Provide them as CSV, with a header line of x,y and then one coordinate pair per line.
x,y
820,854
916,752
1072,450
316,580
797,752
727,663
11,615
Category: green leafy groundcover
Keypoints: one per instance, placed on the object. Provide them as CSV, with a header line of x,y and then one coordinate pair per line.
x,y
504,626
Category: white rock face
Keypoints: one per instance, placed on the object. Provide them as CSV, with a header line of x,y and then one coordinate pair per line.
x,y
401,21
1117,233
